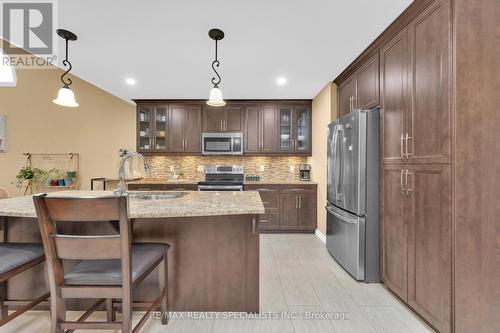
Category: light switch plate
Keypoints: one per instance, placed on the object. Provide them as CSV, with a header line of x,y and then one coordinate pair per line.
x,y
200,168
292,168
172,168
261,168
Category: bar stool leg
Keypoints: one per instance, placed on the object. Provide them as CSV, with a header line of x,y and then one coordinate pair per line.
x,y
163,279
57,313
3,296
127,310
111,313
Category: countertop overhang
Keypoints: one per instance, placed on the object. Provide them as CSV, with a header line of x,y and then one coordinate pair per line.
x,y
191,204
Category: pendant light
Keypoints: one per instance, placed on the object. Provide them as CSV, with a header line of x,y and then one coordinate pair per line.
x,y
215,93
65,96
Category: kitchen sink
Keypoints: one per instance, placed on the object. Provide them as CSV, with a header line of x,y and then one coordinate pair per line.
x,y
156,195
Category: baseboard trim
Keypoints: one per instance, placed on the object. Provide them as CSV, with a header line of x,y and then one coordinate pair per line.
x,y
320,235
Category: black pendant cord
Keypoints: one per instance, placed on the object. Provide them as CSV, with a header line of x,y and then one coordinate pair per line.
x,y
216,63
66,62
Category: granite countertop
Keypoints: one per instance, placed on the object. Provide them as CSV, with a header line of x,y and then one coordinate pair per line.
x,y
193,203
146,181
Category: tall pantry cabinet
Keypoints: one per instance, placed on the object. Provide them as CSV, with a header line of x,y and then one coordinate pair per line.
x,y
414,72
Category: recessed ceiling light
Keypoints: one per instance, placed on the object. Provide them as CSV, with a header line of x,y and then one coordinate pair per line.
x,y
130,81
281,81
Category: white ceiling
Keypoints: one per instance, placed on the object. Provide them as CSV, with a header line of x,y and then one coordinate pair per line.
x,y
165,46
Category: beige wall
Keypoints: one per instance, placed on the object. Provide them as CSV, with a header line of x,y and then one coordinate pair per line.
x,y
97,129
324,109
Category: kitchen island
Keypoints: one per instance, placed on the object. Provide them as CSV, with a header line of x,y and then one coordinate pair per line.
x,y
213,262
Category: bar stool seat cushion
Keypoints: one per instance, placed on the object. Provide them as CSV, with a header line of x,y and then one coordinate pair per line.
x,y
13,255
108,272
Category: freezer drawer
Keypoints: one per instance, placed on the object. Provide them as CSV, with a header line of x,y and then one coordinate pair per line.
x,y
345,240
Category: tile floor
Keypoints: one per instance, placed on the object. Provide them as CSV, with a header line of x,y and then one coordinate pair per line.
x,y
298,279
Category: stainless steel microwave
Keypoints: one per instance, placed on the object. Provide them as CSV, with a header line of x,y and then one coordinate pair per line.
x,y
222,143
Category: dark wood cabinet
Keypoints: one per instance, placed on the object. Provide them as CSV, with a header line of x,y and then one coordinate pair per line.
x,y
166,128
261,124
193,129
177,126
153,128
345,95
361,89
307,210
289,217
393,92
289,208
295,127
428,125
367,84
416,238
269,127
394,231
428,196
223,119
298,207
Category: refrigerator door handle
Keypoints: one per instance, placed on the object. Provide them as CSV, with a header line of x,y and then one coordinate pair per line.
x,y
334,161
341,159
341,217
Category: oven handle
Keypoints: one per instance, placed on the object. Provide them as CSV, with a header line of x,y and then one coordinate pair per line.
x,y
218,187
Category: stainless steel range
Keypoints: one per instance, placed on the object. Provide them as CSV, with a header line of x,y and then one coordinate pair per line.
x,y
222,178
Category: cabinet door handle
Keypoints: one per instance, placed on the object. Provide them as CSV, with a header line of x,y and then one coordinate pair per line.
x,y
406,145
402,181
402,146
297,202
350,103
300,202
408,189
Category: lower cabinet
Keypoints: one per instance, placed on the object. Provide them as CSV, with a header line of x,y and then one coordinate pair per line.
x,y
416,238
289,208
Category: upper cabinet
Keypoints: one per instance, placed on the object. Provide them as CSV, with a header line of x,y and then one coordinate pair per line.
x,y
367,84
361,89
294,129
223,119
393,92
260,129
152,128
269,127
415,108
428,125
346,94
164,128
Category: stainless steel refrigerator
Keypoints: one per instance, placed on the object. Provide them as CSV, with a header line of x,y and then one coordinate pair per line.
x,y
352,231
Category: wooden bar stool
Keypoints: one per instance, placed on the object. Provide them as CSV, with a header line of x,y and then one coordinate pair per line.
x,y
16,258
110,267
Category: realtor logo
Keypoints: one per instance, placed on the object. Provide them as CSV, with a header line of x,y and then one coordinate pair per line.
x,y
29,25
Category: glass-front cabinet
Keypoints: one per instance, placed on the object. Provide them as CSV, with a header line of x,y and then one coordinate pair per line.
x,y
152,123
302,129
294,131
286,129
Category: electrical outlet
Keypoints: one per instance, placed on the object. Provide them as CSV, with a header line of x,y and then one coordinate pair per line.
x,y
292,168
261,168
200,168
172,168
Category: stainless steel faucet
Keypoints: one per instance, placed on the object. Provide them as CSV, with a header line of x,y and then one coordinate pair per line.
x,y
121,188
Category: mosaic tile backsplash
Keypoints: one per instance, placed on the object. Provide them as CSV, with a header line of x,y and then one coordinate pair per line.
x,y
191,167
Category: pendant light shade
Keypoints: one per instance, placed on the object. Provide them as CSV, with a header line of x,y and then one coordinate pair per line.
x,y
66,97
215,93
216,97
